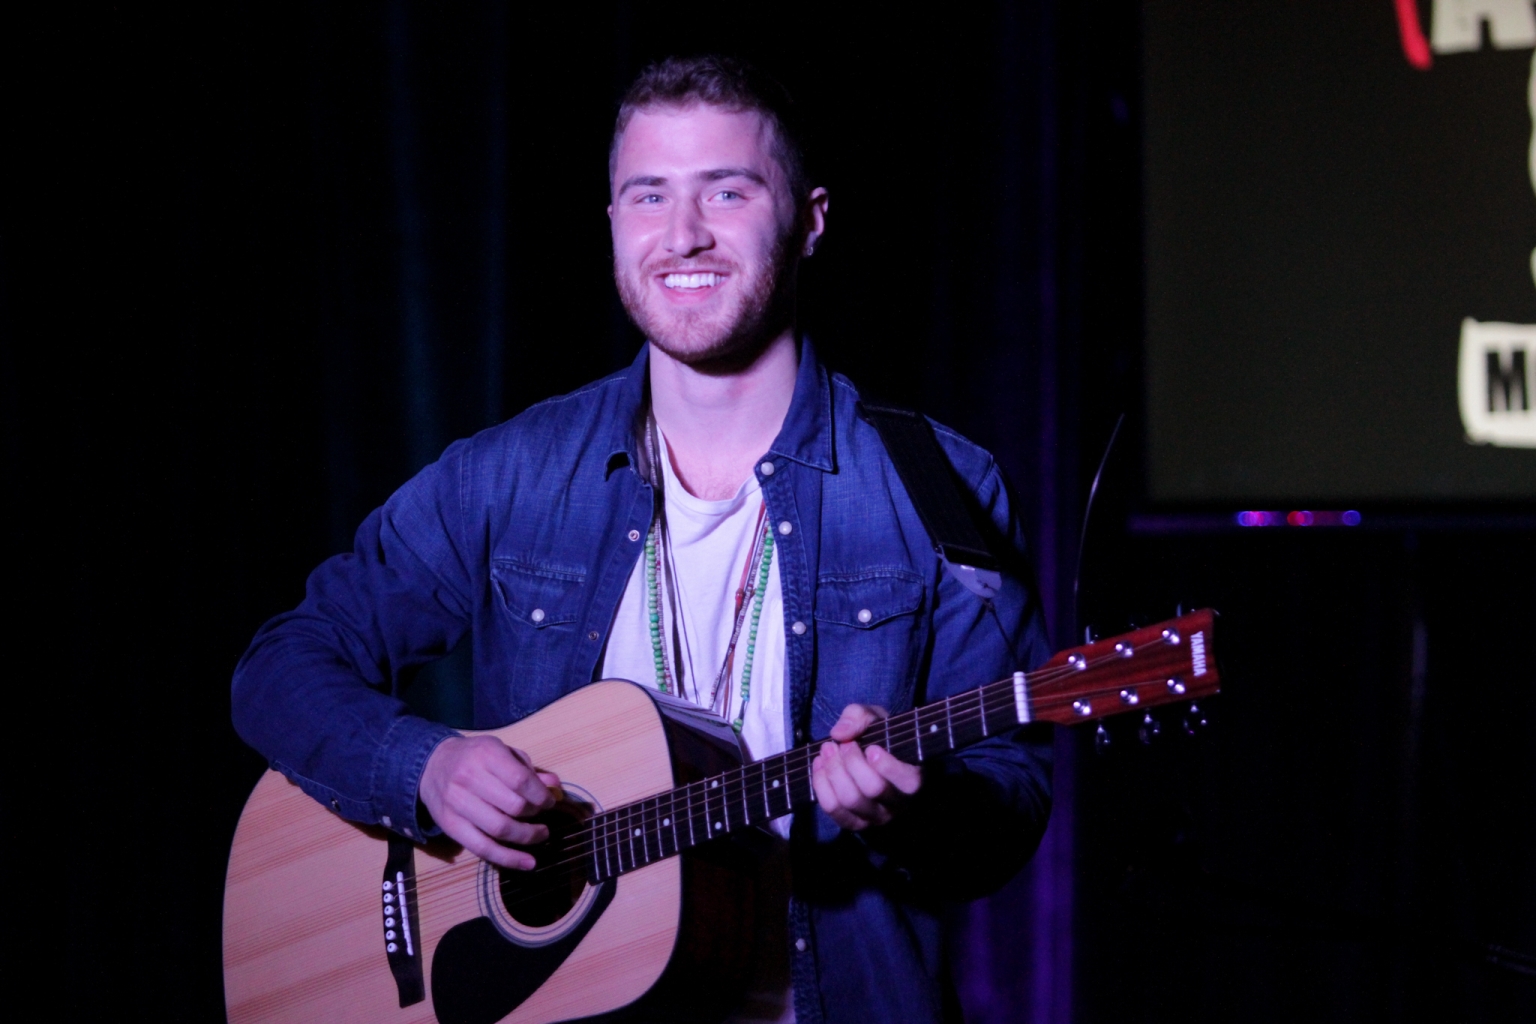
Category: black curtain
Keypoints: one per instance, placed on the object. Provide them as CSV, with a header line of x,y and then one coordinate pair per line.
x,y
260,263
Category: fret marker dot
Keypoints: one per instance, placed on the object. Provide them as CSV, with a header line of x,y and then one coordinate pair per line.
x,y
775,783
637,831
666,821
717,825
933,728
714,785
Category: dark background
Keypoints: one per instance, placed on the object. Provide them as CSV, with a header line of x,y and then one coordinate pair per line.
x,y
261,262
1321,216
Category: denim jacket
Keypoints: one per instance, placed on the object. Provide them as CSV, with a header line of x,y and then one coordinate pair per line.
x,y
519,541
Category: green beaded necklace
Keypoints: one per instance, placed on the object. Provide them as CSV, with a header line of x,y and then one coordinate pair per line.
x,y
653,616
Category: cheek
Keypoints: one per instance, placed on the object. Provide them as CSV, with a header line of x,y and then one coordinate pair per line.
x,y
632,245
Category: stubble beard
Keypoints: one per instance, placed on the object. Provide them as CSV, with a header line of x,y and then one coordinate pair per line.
x,y
727,339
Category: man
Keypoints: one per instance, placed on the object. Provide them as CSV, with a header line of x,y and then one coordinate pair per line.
x,y
717,522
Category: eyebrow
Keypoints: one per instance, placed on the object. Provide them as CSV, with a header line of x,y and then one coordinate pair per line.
x,y
718,174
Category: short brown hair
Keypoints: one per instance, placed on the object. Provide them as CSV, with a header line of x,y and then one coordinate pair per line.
x,y
725,82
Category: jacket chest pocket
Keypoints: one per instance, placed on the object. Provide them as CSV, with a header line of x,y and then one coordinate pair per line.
x,y
868,640
541,607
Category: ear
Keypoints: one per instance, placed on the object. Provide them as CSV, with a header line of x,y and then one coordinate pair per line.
x,y
610,211
814,219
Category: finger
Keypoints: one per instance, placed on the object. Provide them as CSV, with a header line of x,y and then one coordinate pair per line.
x,y
907,778
520,790
854,720
845,791
827,797
552,783
497,824
462,831
871,784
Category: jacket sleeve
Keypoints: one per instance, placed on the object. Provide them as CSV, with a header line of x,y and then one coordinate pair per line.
x,y
317,692
981,811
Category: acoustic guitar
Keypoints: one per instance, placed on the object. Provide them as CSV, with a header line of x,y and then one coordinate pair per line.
x,y
326,920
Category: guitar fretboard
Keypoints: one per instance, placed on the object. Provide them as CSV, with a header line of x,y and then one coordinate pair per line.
x,y
664,825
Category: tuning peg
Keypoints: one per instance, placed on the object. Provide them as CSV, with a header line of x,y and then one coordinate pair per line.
x,y
1195,720
1101,740
1090,634
1150,729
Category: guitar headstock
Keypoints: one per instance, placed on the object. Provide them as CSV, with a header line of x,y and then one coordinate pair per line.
x,y
1162,664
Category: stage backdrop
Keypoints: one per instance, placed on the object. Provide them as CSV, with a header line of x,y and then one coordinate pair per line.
x,y
1341,250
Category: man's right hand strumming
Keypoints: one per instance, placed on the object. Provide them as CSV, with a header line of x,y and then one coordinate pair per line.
x,y
478,789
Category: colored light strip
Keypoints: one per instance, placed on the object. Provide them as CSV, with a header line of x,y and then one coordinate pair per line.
x,y
1298,517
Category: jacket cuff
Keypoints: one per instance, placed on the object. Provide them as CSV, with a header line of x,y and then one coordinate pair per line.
x,y
397,768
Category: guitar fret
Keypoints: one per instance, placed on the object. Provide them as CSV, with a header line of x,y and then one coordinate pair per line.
x,y
607,845
663,819
949,723
675,844
917,733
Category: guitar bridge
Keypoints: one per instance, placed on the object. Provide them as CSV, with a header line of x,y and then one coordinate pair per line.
x,y
401,924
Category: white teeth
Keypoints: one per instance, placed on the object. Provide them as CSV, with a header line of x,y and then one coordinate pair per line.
x,y
705,280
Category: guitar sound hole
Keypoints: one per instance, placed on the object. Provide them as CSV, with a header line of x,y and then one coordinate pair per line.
x,y
543,896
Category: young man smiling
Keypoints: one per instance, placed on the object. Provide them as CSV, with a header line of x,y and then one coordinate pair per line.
x,y
605,533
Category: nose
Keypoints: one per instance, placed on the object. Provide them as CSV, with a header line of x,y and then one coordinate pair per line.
x,y
687,233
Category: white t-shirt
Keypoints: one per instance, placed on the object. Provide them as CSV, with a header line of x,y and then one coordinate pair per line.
x,y
710,541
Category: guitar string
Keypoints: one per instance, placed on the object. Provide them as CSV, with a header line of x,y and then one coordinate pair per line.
x,y
553,878
961,705
583,846
580,848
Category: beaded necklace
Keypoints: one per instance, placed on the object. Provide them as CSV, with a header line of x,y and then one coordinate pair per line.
x,y
756,593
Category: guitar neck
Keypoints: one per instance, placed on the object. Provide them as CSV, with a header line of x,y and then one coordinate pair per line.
x,y
1168,662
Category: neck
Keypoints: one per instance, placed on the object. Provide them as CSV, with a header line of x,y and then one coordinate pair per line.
x,y
718,424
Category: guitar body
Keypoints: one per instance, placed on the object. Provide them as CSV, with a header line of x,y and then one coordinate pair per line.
x,y
313,930
642,906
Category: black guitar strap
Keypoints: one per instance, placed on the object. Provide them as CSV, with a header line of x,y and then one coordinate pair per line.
x,y
936,493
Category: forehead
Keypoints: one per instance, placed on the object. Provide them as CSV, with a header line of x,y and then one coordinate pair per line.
x,y
676,142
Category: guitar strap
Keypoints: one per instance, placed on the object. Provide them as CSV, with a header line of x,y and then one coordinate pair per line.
x,y
938,495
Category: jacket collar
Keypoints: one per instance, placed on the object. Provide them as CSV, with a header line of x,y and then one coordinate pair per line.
x,y
805,437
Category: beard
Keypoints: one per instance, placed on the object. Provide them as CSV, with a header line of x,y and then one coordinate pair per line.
x,y
726,338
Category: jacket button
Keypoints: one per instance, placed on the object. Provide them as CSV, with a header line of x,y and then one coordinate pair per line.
x,y
336,805
800,945
798,629
766,469
537,615
634,534
786,527
592,635
386,822
864,615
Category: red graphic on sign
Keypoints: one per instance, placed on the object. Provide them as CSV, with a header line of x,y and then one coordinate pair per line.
x,y
1415,46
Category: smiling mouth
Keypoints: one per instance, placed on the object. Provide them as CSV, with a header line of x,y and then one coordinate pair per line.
x,y
692,282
